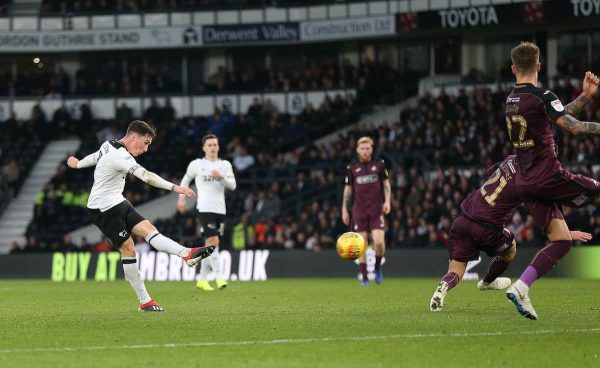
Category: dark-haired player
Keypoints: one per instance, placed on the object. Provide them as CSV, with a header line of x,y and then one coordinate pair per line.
x,y
480,228
369,189
530,112
117,218
212,176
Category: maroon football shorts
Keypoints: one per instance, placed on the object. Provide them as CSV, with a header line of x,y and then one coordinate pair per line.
x,y
467,238
542,213
564,188
366,222
544,200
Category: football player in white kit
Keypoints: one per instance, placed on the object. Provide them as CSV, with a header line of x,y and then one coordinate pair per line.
x,y
212,176
117,218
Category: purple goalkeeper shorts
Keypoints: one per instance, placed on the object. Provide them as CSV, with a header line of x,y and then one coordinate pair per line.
x,y
467,238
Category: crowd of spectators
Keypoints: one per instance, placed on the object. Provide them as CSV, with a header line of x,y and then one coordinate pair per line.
x,y
66,7
122,76
60,203
425,199
289,198
4,6
35,82
372,77
112,77
424,203
459,136
569,65
574,65
21,143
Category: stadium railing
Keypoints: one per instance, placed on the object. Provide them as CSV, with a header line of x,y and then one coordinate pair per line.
x,y
184,105
298,11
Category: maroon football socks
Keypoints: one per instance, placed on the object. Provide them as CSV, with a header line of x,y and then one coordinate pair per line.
x,y
363,270
451,279
544,260
378,262
497,268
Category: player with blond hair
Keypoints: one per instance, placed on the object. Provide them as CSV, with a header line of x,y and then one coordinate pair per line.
x,y
369,191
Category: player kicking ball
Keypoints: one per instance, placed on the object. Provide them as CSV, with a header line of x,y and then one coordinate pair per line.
x,y
117,218
480,228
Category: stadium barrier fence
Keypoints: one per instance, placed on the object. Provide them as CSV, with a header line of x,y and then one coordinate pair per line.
x,y
260,265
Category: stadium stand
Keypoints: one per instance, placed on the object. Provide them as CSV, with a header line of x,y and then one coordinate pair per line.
x,y
59,204
52,7
21,143
4,6
116,76
284,131
425,196
290,199
289,190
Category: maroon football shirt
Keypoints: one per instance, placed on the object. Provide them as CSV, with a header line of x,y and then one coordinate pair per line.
x,y
366,180
530,112
496,200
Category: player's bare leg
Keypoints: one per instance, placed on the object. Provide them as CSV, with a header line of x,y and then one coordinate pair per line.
x,y
132,274
362,261
560,244
160,242
379,243
499,264
456,271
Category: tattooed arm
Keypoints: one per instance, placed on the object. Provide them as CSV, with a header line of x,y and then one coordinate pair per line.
x,y
574,107
572,125
589,89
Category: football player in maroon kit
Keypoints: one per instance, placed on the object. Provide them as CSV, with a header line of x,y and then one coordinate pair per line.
x,y
368,188
530,113
480,228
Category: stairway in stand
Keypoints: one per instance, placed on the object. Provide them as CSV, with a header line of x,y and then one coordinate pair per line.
x,y
19,212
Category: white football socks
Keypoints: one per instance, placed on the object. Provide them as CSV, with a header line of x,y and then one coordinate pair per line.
x,y
204,268
212,262
522,287
215,263
164,244
132,274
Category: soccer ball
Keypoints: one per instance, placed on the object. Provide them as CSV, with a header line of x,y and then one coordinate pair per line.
x,y
350,246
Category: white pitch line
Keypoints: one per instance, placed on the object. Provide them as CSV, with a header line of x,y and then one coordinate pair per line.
x,y
295,341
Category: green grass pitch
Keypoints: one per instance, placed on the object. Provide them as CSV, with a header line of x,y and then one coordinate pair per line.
x,y
296,323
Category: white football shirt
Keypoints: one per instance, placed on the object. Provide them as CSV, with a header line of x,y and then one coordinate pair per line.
x,y
113,163
210,190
